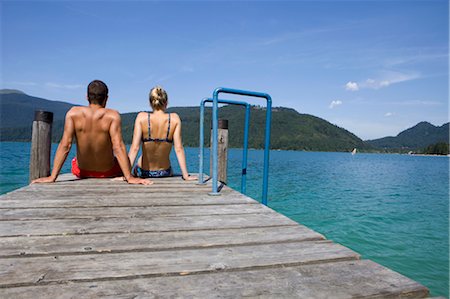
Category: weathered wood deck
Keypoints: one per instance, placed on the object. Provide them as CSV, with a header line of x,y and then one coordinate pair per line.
x,y
102,238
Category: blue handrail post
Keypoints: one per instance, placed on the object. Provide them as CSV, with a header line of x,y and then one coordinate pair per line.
x,y
245,150
201,142
215,120
245,147
215,126
267,135
267,150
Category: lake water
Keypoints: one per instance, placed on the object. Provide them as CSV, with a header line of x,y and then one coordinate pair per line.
x,y
392,209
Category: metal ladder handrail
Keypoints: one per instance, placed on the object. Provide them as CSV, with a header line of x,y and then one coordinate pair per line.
x,y
245,146
215,125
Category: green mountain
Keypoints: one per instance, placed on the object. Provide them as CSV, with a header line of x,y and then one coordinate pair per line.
x,y
17,115
17,108
418,137
290,129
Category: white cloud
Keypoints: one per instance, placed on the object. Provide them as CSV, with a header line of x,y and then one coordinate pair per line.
x,y
352,86
386,79
334,104
377,84
388,114
63,86
417,103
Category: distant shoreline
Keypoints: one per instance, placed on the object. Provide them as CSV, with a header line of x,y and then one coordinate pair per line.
x,y
428,155
296,150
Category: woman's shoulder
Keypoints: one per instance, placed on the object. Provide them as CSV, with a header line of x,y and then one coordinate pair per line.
x,y
174,116
141,114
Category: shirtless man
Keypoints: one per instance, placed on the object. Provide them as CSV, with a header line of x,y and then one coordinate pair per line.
x,y
101,152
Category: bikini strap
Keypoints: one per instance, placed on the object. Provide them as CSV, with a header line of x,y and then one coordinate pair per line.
x,y
168,129
149,136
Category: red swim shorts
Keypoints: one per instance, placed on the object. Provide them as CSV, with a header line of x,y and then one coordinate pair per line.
x,y
113,172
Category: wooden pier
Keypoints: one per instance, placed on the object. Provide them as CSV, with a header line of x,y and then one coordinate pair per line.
x,y
102,238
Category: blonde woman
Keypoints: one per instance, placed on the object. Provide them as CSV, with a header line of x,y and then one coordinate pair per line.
x,y
157,132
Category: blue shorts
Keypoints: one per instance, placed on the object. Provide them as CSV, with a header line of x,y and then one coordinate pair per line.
x,y
142,173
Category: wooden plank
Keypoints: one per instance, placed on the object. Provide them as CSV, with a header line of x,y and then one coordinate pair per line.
x,y
150,189
119,184
116,225
28,194
117,188
27,271
121,242
114,182
122,201
129,212
68,177
348,279
52,191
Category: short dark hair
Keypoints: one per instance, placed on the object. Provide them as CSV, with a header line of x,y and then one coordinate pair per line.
x,y
97,92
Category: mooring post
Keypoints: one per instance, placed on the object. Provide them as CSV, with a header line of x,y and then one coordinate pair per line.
x,y
41,144
222,151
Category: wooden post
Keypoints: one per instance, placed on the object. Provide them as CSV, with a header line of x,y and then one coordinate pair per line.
x,y
223,151
41,139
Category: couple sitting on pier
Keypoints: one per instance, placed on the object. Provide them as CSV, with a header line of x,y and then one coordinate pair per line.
x,y
101,152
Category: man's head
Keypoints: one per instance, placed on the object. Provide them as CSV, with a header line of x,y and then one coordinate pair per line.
x,y
97,92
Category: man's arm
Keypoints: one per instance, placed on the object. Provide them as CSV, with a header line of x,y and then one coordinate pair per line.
x,y
120,151
63,150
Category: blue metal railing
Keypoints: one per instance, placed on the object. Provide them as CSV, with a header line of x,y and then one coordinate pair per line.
x,y
245,146
215,121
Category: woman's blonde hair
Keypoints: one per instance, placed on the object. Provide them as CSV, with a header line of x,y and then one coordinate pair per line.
x,y
158,98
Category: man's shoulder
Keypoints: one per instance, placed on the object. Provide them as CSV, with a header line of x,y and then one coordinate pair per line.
x,y
112,113
75,110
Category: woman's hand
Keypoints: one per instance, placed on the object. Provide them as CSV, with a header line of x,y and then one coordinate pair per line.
x,y
189,177
136,181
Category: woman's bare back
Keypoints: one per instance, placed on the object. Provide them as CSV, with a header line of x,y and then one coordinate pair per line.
x,y
158,144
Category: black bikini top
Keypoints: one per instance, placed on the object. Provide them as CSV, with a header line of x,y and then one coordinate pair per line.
x,y
150,139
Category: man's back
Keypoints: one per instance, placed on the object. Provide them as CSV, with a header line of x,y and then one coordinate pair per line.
x,y
98,136
92,132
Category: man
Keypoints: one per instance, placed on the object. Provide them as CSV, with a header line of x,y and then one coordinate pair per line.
x,y
101,152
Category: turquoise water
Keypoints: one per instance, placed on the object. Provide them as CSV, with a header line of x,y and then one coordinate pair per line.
x,y
392,209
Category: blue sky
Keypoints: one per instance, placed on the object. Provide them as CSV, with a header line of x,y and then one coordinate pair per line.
x,y
374,68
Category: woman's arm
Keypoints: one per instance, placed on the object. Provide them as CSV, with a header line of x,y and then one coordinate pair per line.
x,y
137,136
179,149
120,151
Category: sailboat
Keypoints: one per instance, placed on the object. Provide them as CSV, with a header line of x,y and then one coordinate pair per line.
x,y
354,151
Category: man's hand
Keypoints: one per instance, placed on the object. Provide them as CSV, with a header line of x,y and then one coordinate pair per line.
x,y
133,180
48,179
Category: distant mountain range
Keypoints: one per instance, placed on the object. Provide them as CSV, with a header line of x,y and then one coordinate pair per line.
x,y
17,108
290,129
418,137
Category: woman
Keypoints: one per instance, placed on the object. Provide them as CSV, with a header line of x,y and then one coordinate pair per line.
x,y
157,131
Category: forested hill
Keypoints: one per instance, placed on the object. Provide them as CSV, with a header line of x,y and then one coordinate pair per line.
x,y
418,137
290,129
17,108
